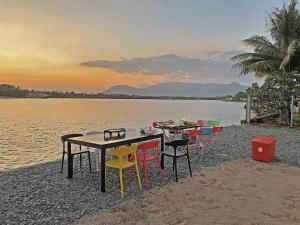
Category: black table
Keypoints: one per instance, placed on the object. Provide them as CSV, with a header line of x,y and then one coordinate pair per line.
x,y
100,143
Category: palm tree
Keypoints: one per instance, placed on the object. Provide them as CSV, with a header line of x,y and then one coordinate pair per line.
x,y
277,53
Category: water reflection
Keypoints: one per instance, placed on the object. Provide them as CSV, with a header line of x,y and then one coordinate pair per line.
x,y
31,128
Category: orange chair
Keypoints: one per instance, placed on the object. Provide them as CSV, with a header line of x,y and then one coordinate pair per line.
x,y
145,156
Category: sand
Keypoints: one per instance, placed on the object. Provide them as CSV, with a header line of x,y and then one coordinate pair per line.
x,y
240,192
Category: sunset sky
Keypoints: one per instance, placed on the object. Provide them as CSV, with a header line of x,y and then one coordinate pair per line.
x,y
91,45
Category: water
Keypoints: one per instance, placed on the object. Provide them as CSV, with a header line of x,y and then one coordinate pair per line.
x,y
31,128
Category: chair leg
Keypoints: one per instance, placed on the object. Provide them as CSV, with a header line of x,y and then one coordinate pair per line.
x,y
188,158
138,175
145,172
160,170
62,162
90,165
175,164
162,161
129,174
121,183
80,157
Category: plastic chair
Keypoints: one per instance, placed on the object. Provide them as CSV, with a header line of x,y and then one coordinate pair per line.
x,y
193,136
145,157
64,138
217,130
176,152
121,163
213,123
202,123
207,130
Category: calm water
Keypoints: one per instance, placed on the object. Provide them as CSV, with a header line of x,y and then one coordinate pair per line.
x,y
31,128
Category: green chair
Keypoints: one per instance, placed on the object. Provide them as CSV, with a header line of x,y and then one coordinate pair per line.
x,y
213,123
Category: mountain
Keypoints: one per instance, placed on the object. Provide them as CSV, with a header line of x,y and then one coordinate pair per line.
x,y
179,89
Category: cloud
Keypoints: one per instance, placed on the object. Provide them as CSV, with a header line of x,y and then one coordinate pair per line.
x,y
216,66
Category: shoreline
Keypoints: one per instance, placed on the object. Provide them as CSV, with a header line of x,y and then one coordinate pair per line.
x,y
36,163
144,98
40,194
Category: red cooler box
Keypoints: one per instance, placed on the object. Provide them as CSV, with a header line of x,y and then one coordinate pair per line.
x,y
263,148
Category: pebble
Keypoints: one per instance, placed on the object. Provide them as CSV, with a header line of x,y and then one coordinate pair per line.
x,y
41,195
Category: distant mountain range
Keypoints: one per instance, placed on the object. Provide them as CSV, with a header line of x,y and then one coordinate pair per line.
x,y
179,89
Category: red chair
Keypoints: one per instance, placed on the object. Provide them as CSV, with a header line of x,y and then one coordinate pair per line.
x,y
145,156
202,123
193,135
217,130
207,139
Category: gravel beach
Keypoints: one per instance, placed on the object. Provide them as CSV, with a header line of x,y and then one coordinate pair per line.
x,y
41,195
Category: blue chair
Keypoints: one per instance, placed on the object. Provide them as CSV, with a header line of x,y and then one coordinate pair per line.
x,y
207,130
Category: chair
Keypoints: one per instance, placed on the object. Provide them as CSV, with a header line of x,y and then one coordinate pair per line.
x,y
193,136
217,130
177,152
202,123
207,134
213,123
121,163
114,134
145,157
64,138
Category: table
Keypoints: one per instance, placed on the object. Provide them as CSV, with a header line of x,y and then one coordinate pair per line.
x,y
175,128
100,143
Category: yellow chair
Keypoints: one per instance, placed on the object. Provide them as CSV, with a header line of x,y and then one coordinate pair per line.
x,y
121,163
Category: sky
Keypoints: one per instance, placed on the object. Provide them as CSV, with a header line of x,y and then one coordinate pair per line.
x,y
75,45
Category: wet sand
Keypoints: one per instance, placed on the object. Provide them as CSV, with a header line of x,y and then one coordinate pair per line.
x,y
240,192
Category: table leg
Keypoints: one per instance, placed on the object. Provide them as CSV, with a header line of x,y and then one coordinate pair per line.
x,y
162,143
103,169
70,160
97,154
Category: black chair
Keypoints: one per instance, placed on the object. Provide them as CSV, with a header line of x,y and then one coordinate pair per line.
x,y
180,149
64,138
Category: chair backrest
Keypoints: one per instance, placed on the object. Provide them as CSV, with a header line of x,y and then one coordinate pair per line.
x,y
176,143
217,129
122,151
206,130
213,123
202,123
149,145
64,138
194,133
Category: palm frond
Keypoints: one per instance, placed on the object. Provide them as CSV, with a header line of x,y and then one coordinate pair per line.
x,y
290,53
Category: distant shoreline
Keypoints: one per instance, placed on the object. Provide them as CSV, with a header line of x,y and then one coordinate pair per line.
x,y
10,91
126,98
